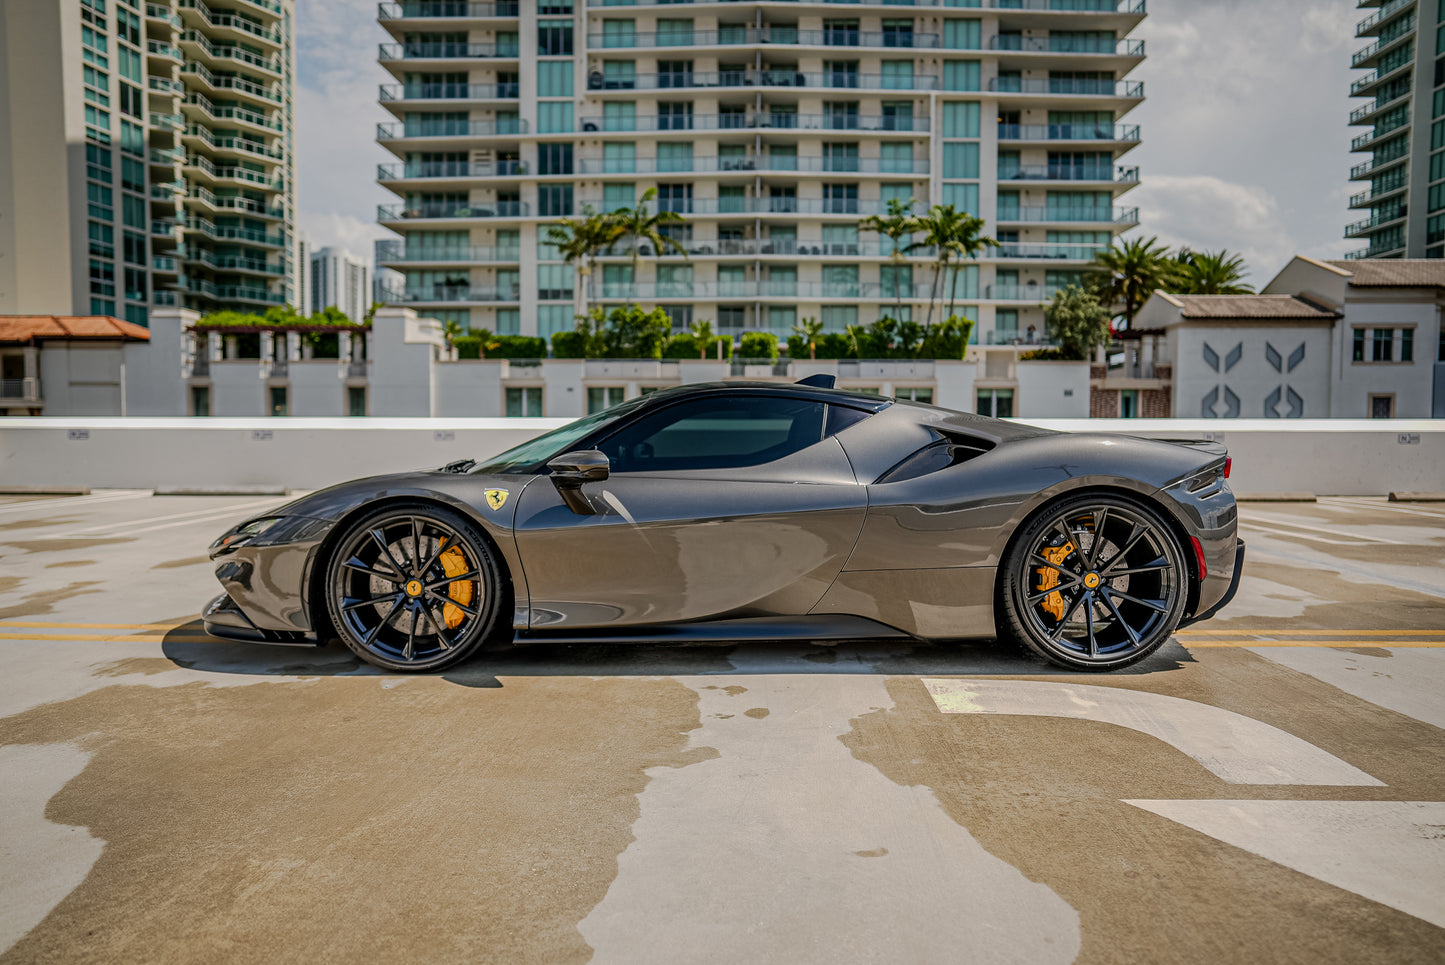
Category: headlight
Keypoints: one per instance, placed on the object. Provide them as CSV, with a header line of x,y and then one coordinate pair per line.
x,y
245,532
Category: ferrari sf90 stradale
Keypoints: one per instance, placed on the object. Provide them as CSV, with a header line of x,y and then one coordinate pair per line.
x,y
752,511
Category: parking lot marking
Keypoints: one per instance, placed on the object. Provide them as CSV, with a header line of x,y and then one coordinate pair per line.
x,y
132,526
1339,644
1273,631
1236,748
70,502
91,626
1303,532
1362,506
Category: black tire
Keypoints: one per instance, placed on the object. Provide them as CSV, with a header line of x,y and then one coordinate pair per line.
x,y
1091,604
415,587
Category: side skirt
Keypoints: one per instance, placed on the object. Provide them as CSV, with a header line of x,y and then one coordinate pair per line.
x,y
798,628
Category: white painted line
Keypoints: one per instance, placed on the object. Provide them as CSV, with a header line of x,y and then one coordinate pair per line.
x,y
65,503
1387,851
1408,680
1359,506
1333,534
1352,541
126,527
1238,749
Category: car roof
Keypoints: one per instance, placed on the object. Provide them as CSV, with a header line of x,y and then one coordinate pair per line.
x,y
791,390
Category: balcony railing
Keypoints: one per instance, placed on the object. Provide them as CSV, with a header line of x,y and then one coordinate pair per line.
x,y
773,288
155,11
165,157
442,50
450,169
1063,171
158,49
1068,132
454,9
1379,134
647,165
1389,184
1067,86
453,293
774,121
438,209
1055,6
20,390
451,92
761,206
1376,163
1093,214
229,233
443,128
1375,220
1387,10
1066,44
1021,293
833,80
765,247
1383,44
1374,107
770,35
1049,252
395,252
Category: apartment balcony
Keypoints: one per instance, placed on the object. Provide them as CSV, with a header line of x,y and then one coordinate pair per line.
x,y
444,51
396,253
450,92
771,247
1368,168
271,8
1364,141
452,294
1396,38
164,298
232,27
449,171
750,165
1116,133
164,51
696,79
201,104
437,210
773,36
229,56
507,127
233,263
168,122
1021,293
229,233
158,14
1071,173
1394,183
164,228
1379,219
165,86
167,192
1045,6
1365,112
1066,44
1380,251
20,392
232,86
1076,215
1010,251
850,207
683,291
447,10
242,293
165,264
198,165
1372,24
862,123
165,157
1066,87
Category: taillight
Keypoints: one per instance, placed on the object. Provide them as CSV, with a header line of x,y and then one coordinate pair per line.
x,y
1228,462
1199,557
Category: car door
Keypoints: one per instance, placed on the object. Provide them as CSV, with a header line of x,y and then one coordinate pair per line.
x,y
715,506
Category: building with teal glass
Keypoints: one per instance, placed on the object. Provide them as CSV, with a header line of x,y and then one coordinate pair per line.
x,y
773,128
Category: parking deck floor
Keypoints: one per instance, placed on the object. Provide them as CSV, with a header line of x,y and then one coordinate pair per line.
x,y
1268,788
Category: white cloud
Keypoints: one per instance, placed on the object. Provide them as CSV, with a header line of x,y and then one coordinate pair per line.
x,y
1206,213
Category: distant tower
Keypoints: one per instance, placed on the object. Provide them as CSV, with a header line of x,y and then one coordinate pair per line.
x,y
341,279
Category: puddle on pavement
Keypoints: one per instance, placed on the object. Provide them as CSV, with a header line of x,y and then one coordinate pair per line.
x,y
40,604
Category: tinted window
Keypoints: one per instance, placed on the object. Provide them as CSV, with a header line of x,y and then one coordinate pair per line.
x,y
716,433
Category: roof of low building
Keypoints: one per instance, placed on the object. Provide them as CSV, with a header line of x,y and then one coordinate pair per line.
x,y
1249,306
1394,272
24,328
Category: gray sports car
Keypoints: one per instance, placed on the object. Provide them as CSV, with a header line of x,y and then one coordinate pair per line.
x,y
736,511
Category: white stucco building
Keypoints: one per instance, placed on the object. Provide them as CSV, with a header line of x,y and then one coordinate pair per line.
x,y
338,278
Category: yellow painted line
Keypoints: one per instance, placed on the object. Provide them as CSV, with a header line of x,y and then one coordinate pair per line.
x,y
1381,644
93,638
93,626
1317,633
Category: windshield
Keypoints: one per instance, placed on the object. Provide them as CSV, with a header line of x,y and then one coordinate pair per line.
x,y
554,443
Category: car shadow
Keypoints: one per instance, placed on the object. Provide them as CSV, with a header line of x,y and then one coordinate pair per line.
x,y
186,647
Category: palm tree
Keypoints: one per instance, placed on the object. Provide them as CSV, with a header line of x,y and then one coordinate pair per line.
x,y
809,329
1211,273
702,336
857,335
579,240
641,226
897,224
1131,272
951,233
451,329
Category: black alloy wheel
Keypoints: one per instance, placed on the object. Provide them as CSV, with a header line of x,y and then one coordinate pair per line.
x,y
413,588
1094,584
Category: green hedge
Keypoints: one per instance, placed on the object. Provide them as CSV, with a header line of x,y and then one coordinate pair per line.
x,y
758,345
469,346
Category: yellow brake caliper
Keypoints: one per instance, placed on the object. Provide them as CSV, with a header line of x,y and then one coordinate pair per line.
x,y
1053,604
455,564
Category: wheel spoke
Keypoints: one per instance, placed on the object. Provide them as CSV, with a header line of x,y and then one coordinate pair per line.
x,y
1100,518
415,545
358,604
406,651
442,547
448,601
1153,567
356,564
1036,597
1089,624
1059,630
436,625
1044,562
1156,605
1135,535
453,579
380,538
390,614
1113,608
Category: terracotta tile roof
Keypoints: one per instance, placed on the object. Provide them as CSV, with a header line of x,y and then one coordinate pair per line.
x,y
1249,306
23,328
1394,272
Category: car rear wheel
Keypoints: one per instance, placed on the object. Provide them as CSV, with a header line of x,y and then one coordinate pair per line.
x,y
1096,583
414,588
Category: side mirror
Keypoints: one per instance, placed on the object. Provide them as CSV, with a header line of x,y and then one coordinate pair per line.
x,y
572,469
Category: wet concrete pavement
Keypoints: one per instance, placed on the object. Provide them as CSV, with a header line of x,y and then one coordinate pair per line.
x,y
1268,788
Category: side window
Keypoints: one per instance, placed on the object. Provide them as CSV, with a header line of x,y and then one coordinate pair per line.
x,y
716,433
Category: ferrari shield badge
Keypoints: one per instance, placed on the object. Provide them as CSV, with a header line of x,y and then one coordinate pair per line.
x,y
496,498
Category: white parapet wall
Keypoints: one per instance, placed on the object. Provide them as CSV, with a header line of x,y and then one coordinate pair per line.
x,y
1325,457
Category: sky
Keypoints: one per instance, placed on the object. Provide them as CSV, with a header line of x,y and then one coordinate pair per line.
x,y
1245,141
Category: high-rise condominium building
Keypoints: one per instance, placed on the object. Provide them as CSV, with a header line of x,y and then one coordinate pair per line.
x,y
342,280
1403,174
145,155
773,128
